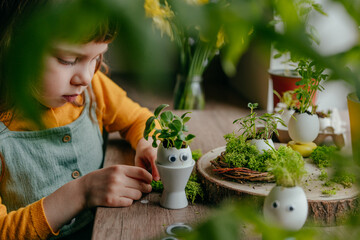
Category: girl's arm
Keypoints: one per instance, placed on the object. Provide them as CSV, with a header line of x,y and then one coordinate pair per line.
x,y
114,186
25,223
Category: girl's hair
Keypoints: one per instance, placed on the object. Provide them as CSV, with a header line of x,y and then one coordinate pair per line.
x,y
2,167
14,11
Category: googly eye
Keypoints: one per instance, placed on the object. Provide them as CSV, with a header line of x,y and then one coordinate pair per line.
x,y
184,157
290,208
172,158
275,204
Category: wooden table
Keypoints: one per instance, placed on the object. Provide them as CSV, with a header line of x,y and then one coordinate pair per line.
x,y
145,219
148,220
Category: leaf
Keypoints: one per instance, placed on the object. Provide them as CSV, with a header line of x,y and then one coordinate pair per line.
x,y
189,137
149,126
181,136
164,135
186,119
166,117
159,109
175,125
154,143
182,116
178,143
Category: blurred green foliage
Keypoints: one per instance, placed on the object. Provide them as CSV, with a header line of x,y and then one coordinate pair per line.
x,y
242,20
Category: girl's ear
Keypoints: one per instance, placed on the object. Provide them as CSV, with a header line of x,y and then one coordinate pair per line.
x,y
99,62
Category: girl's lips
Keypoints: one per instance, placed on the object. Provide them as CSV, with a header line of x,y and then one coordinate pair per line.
x,y
70,98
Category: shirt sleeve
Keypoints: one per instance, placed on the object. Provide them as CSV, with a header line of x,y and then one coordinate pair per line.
x,y
25,223
117,112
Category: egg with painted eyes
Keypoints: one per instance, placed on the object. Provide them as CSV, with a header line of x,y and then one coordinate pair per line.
x,y
174,157
286,207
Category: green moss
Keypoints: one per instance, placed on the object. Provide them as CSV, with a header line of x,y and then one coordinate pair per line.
x,y
321,156
329,191
323,175
157,186
239,153
196,154
287,166
344,179
194,191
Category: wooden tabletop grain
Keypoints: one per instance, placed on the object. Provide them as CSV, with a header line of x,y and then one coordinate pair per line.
x,y
146,219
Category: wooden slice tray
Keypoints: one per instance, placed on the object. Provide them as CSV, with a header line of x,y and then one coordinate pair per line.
x,y
324,210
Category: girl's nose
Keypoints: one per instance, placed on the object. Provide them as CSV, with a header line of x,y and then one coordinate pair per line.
x,y
82,77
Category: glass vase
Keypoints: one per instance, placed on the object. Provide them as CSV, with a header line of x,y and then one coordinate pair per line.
x,y
188,93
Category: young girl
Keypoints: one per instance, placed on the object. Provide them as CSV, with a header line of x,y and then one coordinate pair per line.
x,y
51,178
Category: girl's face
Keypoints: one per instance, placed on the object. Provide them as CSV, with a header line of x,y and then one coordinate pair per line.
x,y
69,69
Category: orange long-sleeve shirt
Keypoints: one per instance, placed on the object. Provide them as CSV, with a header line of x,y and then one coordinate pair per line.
x,y
115,112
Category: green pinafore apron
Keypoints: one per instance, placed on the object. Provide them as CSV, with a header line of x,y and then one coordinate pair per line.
x,y
39,162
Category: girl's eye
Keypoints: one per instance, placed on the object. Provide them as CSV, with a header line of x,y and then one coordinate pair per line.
x,y
184,157
172,158
64,62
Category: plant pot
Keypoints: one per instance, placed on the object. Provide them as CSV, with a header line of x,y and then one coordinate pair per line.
x,y
354,115
262,144
286,207
284,80
303,127
174,171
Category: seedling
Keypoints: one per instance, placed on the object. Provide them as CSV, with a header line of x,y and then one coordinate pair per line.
x,y
251,123
172,129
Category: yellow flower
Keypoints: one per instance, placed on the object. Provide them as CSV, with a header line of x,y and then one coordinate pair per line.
x,y
220,38
197,2
161,15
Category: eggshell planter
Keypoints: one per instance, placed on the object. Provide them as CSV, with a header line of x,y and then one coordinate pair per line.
x,y
175,167
262,144
286,207
303,127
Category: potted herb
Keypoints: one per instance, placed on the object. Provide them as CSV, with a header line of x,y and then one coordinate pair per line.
x,y
286,204
304,126
174,158
285,79
258,130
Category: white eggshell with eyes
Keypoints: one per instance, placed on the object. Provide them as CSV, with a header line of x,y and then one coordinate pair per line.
x,y
286,207
174,157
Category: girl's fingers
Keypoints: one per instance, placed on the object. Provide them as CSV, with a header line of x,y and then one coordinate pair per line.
x,y
135,184
155,172
139,173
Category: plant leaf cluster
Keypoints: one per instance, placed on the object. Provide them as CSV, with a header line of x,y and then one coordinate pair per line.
x,y
172,128
250,124
311,76
287,166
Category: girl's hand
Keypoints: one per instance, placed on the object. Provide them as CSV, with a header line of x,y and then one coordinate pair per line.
x,y
115,186
145,157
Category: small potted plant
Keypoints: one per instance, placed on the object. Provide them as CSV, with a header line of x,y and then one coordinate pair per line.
x,y
304,125
258,130
286,204
174,158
